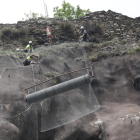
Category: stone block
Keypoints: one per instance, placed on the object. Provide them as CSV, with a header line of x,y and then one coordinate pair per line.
x,y
95,18
118,29
46,44
38,31
117,18
101,16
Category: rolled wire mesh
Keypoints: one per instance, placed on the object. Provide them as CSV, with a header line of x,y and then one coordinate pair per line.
x,y
58,89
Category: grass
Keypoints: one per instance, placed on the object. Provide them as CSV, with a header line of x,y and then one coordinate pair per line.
x,y
78,59
131,50
138,49
17,34
94,57
104,54
50,74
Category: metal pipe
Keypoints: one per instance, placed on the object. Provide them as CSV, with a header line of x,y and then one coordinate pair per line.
x,y
59,88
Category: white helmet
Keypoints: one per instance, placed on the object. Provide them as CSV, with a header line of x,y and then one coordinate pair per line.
x,y
82,27
30,41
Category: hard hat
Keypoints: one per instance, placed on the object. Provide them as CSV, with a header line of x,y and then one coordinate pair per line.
x,y
82,27
30,41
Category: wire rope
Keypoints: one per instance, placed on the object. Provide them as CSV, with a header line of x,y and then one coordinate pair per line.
x,y
16,58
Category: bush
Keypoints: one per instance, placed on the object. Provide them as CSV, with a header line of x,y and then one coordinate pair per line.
x,y
14,35
26,39
94,57
66,27
17,34
93,28
5,34
131,50
22,33
8,35
94,31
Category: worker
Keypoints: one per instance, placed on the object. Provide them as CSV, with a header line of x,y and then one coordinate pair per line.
x,y
84,35
28,60
48,32
29,47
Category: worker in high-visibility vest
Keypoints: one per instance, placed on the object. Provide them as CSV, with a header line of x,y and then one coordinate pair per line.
x,y
28,60
48,32
29,47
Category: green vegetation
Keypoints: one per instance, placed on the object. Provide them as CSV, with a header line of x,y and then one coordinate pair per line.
x,y
78,59
94,57
137,49
94,30
67,12
66,27
131,50
9,35
25,40
32,15
50,74
5,34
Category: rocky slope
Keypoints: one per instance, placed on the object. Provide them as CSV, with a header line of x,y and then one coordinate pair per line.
x,y
111,23
116,86
116,82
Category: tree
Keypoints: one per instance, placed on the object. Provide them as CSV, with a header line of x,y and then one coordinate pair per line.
x,y
69,12
80,12
32,15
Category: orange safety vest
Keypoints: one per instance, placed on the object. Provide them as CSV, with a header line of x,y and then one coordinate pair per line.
x,y
48,31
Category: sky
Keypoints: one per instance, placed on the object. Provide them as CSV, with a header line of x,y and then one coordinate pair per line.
x,y
12,11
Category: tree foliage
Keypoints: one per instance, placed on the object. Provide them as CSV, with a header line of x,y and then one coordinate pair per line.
x,y
31,15
69,12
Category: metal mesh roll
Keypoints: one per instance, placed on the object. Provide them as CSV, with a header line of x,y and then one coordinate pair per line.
x,y
59,88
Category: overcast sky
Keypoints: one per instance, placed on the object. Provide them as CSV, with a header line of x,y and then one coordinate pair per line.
x,y
12,11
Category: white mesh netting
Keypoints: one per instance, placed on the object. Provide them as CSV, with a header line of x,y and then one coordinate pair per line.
x,y
52,112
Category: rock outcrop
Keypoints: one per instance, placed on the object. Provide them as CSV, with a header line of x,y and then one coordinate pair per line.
x,y
113,25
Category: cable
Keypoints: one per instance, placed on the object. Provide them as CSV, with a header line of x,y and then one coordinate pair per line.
x,y
33,76
11,40
16,58
18,114
12,61
28,107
